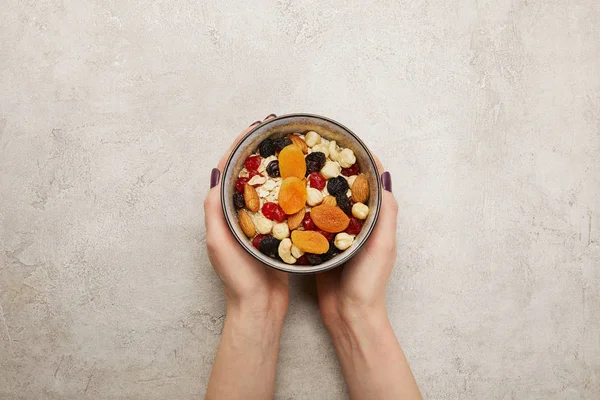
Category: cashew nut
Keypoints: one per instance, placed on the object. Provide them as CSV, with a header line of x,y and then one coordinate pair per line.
x,y
284,250
342,240
281,230
296,252
314,197
257,180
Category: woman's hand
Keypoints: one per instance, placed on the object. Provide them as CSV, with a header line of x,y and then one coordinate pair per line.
x,y
257,300
352,305
358,288
249,286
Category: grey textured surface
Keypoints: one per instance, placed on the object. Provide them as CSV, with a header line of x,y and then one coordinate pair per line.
x,y
112,114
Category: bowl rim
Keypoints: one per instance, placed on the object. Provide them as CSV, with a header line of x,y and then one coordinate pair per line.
x,y
341,258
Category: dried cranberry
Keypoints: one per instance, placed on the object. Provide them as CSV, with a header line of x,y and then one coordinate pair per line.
x,y
337,186
343,202
269,246
313,259
239,184
257,239
351,170
266,148
315,161
273,212
316,180
252,163
302,260
238,200
308,223
354,226
328,235
273,169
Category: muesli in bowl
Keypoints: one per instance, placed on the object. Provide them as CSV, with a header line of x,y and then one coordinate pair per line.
x,y
302,199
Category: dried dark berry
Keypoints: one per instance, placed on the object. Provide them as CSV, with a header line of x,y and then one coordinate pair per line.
x,y
266,148
269,246
332,252
238,200
281,143
313,259
273,169
314,162
343,202
337,186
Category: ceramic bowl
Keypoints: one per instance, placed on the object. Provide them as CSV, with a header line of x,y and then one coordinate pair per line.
x,y
283,126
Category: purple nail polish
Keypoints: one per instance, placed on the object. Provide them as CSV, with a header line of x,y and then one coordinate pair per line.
x,y
214,177
386,181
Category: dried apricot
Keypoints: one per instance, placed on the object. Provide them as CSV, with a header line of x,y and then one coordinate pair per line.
x,y
292,194
310,242
329,218
291,162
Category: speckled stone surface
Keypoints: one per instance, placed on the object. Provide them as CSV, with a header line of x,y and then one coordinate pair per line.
x,y
113,113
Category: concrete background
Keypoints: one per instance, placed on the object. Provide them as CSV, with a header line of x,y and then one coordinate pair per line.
x,y
113,113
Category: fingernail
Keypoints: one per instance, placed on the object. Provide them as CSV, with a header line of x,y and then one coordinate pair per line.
x,y
255,123
214,177
270,116
386,181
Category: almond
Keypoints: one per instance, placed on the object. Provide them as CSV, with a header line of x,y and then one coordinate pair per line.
x,y
251,198
330,201
246,223
295,220
360,189
297,140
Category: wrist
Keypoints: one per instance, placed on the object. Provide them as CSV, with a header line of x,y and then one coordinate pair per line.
x,y
357,323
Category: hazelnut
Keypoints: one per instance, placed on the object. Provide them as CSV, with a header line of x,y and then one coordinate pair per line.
x,y
360,210
343,240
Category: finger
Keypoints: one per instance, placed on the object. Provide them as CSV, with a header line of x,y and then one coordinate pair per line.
x,y
386,223
213,214
270,116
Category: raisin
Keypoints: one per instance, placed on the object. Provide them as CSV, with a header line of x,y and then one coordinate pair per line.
x,y
308,223
316,180
273,212
273,169
252,163
315,161
266,148
313,259
337,186
302,260
332,252
257,239
351,170
269,246
354,226
280,143
239,184
238,201
343,202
